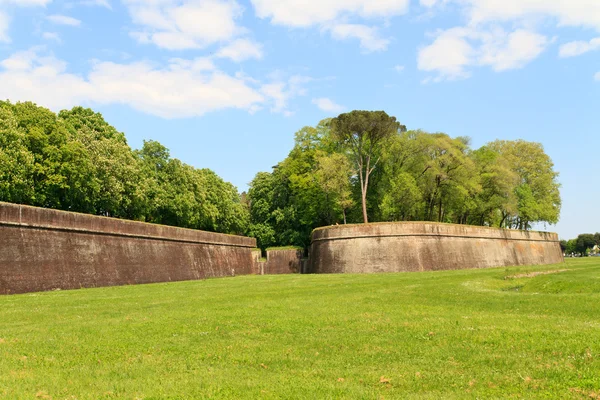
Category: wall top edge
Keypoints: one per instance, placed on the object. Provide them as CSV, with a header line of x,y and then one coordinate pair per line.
x,y
425,228
18,215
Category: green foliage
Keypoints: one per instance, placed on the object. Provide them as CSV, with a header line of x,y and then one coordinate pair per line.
x,y
420,176
76,161
584,242
364,134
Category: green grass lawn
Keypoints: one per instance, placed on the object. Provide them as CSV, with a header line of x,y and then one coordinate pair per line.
x,y
495,333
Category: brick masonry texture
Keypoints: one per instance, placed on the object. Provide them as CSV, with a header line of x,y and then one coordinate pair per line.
x,y
42,249
424,246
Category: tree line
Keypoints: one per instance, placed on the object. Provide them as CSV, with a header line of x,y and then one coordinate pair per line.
x,y
366,166
581,245
76,161
358,167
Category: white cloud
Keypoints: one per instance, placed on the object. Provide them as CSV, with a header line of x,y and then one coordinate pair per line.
x,y
585,13
302,13
369,37
183,88
53,36
333,16
431,3
281,90
597,76
448,55
240,50
578,48
63,20
96,3
504,52
482,41
186,24
456,49
399,68
327,105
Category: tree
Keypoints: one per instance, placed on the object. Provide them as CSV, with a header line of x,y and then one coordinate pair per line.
x,y
333,174
363,133
401,199
497,199
537,190
16,161
584,242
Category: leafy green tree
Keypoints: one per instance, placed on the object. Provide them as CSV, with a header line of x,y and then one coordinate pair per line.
x,y
333,174
537,189
401,199
115,179
16,161
364,133
584,242
497,199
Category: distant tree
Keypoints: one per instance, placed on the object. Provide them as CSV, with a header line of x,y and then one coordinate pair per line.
x,y
563,245
584,242
363,133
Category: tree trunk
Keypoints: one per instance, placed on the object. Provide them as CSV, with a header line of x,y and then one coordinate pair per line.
x,y
344,214
364,184
364,205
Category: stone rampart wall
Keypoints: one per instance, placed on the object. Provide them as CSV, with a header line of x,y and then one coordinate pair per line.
x,y
424,246
278,261
42,249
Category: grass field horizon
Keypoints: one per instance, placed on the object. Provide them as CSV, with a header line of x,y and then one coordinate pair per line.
x,y
516,332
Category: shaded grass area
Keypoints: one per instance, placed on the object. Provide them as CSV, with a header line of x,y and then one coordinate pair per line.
x,y
452,334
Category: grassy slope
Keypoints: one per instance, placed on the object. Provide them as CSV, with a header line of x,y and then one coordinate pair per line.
x,y
456,334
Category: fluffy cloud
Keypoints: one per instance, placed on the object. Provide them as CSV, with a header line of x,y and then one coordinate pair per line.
x,y
327,105
578,48
281,90
302,13
482,41
456,49
448,55
515,50
183,88
369,37
240,50
176,25
584,13
96,3
333,16
597,76
63,20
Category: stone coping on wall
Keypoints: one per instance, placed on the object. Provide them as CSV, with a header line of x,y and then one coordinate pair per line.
x,y
435,229
20,216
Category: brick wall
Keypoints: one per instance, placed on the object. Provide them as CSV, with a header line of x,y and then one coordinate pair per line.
x,y
425,246
42,249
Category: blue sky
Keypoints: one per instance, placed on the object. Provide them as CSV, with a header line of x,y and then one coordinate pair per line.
x,y
224,84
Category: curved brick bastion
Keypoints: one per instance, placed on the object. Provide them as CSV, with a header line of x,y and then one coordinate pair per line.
x,y
425,246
